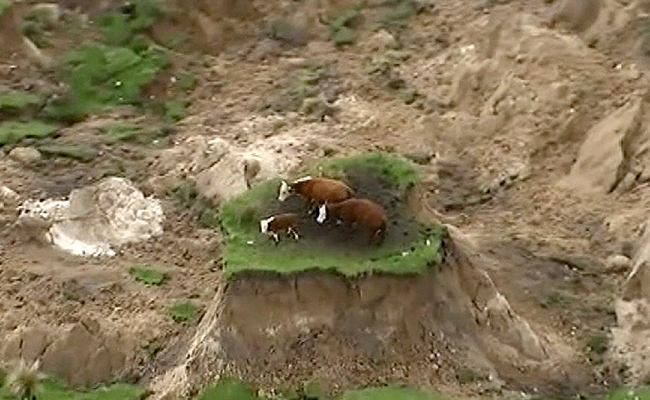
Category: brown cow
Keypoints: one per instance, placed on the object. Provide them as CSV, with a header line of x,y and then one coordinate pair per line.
x,y
281,223
362,212
317,190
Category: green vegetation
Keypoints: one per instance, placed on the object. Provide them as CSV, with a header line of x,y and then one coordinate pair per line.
x,y
397,170
37,22
148,276
14,131
303,85
50,389
4,6
246,249
342,27
100,76
388,393
175,110
183,311
114,72
79,152
14,101
642,393
228,389
396,19
232,389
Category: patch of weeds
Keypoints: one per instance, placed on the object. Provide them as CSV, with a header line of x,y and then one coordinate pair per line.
x,y
597,345
4,6
153,347
228,389
15,101
396,19
51,389
100,76
391,392
133,133
79,152
183,312
175,110
186,81
122,27
37,22
175,40
467,375
342,27
409,95
556,299
626,393
15,131
147,275
303,85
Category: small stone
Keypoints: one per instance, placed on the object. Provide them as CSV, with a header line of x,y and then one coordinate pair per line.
x,y
382,40
8,196
617,263
25,155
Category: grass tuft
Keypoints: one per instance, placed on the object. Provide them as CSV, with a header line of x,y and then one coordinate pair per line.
x,y
183,312
79,152
228,389
4,6
15,131
148,276
14,101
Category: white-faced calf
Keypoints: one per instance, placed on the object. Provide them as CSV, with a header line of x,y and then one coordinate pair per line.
x,y
357,212
279,224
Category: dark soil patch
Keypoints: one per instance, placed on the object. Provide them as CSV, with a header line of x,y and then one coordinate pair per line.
x,y
402,227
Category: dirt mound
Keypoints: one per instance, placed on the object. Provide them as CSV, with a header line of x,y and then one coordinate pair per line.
x,y
343,332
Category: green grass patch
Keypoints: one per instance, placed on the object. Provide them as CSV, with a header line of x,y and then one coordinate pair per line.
x,y
123,28
228,389
641,393
52,390
388,393
14,101
304,84
79,152
36,24
4,6
147,275
342,27
15,131
175,110
183,311
245,248
397,170
100,76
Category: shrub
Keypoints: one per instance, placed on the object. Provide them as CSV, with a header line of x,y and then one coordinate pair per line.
x,y
342,27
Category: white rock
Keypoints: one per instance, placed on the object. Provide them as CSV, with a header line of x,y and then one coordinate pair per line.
x,y
617,262
25,155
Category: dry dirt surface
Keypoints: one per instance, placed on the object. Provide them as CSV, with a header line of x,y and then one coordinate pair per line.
x,y
534,120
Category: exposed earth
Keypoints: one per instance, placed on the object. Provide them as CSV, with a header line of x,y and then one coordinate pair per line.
x,y
530,123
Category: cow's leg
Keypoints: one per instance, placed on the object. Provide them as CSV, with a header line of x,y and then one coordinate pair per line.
x,y
276,239
293,232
